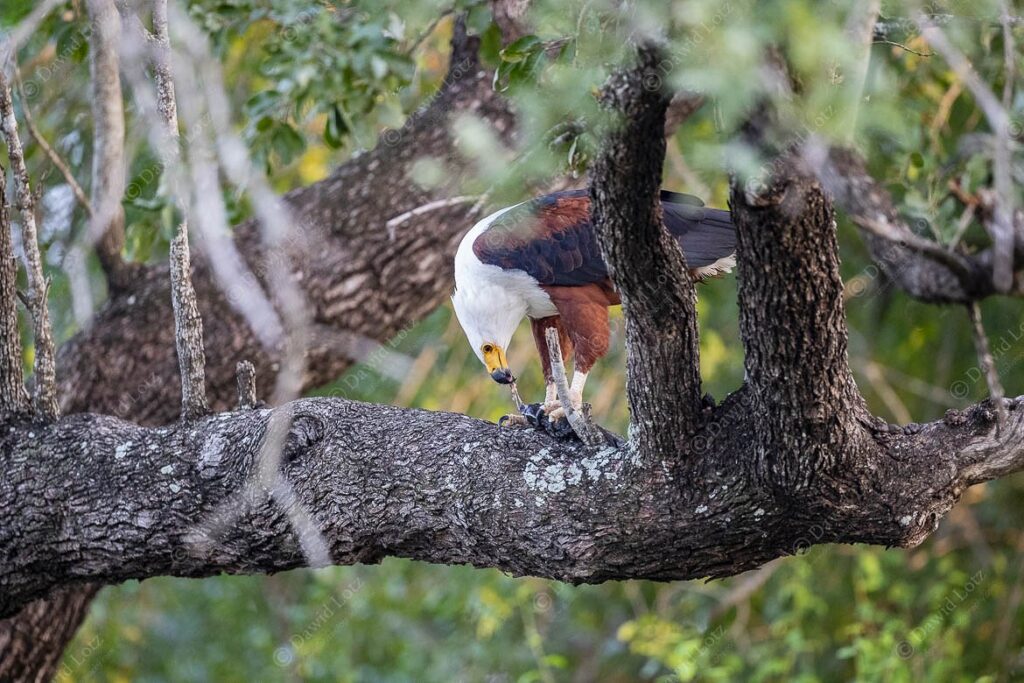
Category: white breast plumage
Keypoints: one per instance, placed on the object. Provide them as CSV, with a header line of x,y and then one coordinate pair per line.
x,y
471,273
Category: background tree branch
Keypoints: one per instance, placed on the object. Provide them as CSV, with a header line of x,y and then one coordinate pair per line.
x,y
106,228
893,244
356,274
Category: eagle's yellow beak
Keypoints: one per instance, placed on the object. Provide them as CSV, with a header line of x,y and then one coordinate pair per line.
x,y
497,365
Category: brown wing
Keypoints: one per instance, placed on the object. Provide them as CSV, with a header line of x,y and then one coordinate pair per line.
x,y
551,237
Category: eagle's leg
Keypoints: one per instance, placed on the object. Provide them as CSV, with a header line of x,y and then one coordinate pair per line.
x,y
557,412
586,318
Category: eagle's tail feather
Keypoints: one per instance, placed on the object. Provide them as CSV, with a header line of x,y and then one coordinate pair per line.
x,y
706,236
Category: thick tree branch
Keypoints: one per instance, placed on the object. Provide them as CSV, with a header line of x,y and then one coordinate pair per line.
x,y
663,374
93,498
106,225
792,320
44,393
13,398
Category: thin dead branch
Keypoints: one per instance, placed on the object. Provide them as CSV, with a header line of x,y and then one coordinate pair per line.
x,y
13,398
987,363
246,373
583,427
188,324
44,393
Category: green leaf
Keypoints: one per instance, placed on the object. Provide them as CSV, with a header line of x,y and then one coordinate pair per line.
x,y
521,49
287,143
335,130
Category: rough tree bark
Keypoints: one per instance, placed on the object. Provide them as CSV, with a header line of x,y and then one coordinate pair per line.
x,y
95,498
355,272
13,398
627,212
44,392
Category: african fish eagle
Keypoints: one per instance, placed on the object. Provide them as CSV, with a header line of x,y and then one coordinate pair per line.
x,y
541,259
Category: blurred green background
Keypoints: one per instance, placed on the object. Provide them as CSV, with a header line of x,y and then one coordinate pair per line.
x,y
314,83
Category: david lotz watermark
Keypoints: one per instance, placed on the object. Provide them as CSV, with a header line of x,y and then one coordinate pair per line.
x,y
429,115
285,654
955,600
1008,341
76,659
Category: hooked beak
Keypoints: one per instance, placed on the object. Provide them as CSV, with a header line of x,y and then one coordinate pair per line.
x,y
503,376
497,365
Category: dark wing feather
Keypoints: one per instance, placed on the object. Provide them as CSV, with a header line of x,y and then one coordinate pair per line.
x,y
551,237
705,235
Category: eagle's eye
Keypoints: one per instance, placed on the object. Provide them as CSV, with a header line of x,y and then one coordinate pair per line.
x,y
487,348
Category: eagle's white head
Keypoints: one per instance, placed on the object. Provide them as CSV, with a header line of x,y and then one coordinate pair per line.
x,y
489,315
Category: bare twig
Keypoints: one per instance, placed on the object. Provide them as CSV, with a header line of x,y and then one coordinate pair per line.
x,y
188,323
987,363
44,395
1001,225
106,225
905,48
279,229
393,223
49,151
13,398
860,30
577,420
927,247
246,374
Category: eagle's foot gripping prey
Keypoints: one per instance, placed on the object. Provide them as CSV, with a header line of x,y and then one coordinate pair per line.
x,y
534,415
